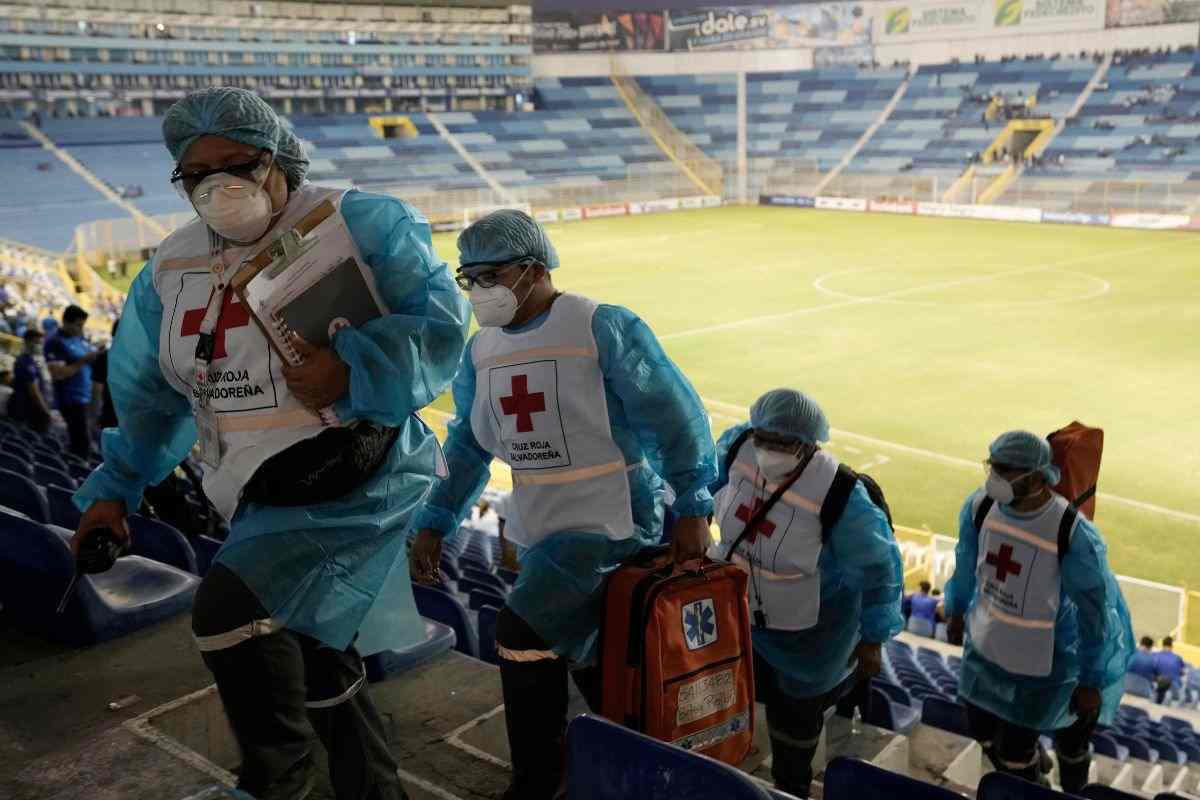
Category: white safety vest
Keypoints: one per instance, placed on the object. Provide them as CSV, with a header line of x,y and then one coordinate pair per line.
x,y
540,407
782,556
257,415
1018,589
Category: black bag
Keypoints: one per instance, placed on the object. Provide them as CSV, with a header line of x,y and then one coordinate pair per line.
x,y
1064,526
317,470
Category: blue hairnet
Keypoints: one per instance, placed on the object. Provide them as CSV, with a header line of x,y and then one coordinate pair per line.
x,y
503,236
236,114
1024,449
787,412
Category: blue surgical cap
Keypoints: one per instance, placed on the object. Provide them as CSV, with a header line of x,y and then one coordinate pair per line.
x,y
786,412
1026,450
236,114
502,237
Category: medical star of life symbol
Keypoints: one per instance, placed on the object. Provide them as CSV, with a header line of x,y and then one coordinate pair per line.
x,y
700,623
1003,562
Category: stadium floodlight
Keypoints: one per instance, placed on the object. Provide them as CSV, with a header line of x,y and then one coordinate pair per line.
x,y
351,37
160,27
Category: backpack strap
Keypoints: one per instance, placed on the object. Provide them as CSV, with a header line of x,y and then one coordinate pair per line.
x,y
836,499
985,505
757,517
731,455
1065,526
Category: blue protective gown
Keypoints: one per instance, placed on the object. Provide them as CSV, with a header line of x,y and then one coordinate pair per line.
x,y
657,420
862,578
1093,636
320,568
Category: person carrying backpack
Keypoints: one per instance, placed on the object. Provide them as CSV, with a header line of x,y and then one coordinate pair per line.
x,y
1048,634
825,571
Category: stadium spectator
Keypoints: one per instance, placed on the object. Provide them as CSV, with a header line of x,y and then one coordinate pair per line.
x,y
1143,663
600,388
103,410
1169,667
924,605
321,510
1048,632
823,601
29,402
69,358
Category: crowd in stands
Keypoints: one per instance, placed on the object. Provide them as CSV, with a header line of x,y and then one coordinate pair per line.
x,y
1164,671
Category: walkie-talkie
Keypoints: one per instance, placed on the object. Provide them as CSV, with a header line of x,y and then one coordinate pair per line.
x,y
98,551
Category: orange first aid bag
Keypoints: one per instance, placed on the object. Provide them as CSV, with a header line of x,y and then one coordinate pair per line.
x,y
1076,452
676,658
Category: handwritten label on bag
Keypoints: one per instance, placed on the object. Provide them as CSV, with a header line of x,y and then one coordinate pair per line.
x,y
705,696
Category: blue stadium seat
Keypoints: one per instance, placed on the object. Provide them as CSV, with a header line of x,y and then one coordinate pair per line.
x,y
1099,791
507,575
161,542
36,566
1105,745
470,562
850,778
1002,786
1177,724
438,639
478,598
18,464
945,714
920,627
895,693
883,713
1139,748
21,494
450,570
466,586
1138,686
487,634
63,512
606,761
445,608
206,549
46,475
79,472
485,578
1167,751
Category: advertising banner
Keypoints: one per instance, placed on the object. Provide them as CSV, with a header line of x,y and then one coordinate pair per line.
x,y
1157,222
842,203
769,27
892,208
710,201
798,201
1124,13
692,202
652,206
570,214
546,215
1074,218
605,210
948,19
610,31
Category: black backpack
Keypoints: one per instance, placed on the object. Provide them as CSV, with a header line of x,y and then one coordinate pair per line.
x,y
839,491
1064,526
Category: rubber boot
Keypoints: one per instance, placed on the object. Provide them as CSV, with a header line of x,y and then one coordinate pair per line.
x,y
535,715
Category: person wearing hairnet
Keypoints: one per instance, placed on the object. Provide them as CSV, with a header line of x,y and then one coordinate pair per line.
x,y
312,574
1048,634
594,419
825,571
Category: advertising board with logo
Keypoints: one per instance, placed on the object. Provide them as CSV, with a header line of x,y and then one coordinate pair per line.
x,y
608,31
938,19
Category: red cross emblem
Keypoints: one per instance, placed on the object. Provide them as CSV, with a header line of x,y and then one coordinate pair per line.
x,y
522,404
233,315
1003,562
745,512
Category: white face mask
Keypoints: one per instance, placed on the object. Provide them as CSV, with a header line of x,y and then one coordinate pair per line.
x,y
235,209
1000,489
775,465
496,306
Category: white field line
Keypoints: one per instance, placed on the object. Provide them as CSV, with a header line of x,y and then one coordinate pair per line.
x,y
736,413
724,326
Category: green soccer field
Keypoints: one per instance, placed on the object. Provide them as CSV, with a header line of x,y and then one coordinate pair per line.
x,y
923,338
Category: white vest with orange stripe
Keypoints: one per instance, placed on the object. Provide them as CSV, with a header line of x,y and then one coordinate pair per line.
x,y
540,407
257,415
1018,589
782,556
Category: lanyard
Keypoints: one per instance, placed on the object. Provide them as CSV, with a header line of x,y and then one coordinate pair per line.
x,y
206,344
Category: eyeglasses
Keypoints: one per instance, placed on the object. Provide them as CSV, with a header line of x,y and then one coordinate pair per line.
x,y
490,278
778,444
253,170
